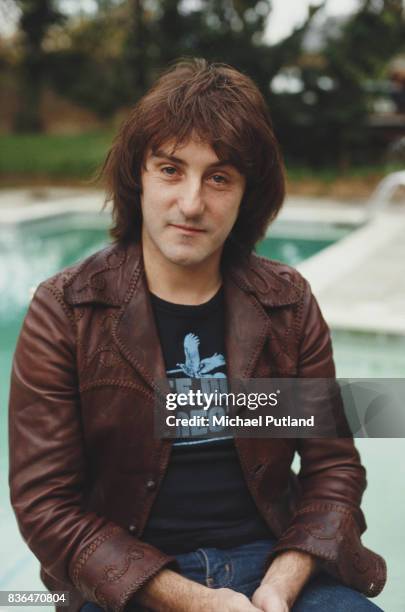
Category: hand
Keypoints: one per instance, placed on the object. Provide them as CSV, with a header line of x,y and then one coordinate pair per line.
x,y
284,580
268,599
227,600
168,591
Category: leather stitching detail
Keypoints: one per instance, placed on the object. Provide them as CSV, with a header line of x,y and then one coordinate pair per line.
x,y
90,550
58,295
113,573
114,382
325,507
255,354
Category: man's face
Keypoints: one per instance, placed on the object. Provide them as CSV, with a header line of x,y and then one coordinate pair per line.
x,y
190,201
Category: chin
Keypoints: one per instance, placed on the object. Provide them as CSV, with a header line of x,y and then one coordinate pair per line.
x,y
186,257
186,261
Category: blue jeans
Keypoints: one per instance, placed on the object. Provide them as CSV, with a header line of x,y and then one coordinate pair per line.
x,y
242,569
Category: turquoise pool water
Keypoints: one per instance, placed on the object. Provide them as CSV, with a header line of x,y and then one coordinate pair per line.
x,y
291,250
32,252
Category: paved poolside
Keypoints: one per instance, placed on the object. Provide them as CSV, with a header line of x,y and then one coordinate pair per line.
x,y
359,281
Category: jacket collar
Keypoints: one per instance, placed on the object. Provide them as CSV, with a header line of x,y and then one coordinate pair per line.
x,y
115,277
265,280
106,277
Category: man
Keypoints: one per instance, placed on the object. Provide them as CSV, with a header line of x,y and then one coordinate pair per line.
x,y
124,519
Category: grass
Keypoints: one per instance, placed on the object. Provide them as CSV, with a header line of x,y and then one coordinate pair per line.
x,y
329,175
49,156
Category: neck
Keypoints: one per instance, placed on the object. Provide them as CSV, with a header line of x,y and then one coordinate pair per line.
x,y
192,285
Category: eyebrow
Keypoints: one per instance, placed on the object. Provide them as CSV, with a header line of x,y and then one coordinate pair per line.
x,y
177,160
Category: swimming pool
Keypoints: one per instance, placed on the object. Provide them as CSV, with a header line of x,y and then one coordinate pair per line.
x,y
31,252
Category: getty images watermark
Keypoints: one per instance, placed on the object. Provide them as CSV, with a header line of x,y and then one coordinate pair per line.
x,y
286,407
199,400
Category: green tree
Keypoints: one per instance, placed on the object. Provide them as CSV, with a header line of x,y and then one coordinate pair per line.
x,y
230,31
85,62
36,17
327,122
113,56
369,40
136,49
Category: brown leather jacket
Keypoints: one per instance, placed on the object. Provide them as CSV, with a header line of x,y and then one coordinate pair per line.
x,y
85,465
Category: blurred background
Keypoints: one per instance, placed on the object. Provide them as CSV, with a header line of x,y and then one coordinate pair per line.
x,y
333,74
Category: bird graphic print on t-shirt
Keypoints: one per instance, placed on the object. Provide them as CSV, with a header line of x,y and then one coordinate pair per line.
x,y
208,371
193,366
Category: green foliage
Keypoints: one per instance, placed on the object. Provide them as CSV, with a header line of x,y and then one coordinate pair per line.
x,y
89,68
36,16
53,156
109,60
332,125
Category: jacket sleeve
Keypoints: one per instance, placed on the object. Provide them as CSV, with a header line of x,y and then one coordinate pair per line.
x,y
328,521
48,467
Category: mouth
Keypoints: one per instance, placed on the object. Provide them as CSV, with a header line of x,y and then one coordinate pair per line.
x,y
187,228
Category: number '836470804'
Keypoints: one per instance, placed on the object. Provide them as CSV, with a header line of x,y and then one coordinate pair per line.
x,y
34,598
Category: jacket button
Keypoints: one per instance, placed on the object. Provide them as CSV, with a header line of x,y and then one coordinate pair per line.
x,y
257,470
132,528
151,485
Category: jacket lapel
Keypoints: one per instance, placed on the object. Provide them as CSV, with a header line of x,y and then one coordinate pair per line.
x,y
136,335
250,289
246,330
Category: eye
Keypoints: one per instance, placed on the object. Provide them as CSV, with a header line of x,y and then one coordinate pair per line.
x,y
219,179
169,170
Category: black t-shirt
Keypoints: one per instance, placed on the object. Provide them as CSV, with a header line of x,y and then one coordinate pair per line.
x,y
203,499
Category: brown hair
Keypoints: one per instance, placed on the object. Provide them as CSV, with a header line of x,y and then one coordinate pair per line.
x,y
224,108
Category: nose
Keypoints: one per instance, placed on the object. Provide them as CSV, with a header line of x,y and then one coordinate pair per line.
x,y
190,200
